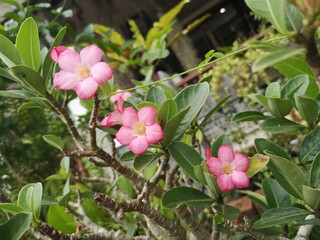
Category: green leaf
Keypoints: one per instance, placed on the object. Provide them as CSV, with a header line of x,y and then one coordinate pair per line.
x,y
193,96
28,105
48,201
59,218
257,162
262,100
169,16
65,165
308,108
48,63
275,195
311,196
310,146
279,216
279,107
293,18
29,198
208,57
28,44
136,31
227,212
212,184
248,116
256,197
288,174
126,186
127,156
274,57
172,125
272,10
150,104
155,95
199,172
16,226
142,161
9,54
29,79
185,195
167,110
54,141
314,178
214,110
263,145
15,94
280,125
222,139
6,74
11,208
273,90
185,156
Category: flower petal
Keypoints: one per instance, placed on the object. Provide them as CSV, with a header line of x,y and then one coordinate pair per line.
x,y
124,95
91,55
119,105
87,88
129,117
101,72
215,166
225,153
55,52
240,162
154,133
240,179
114,118
125,135
147,115
225,183
139,145
69,60
65,80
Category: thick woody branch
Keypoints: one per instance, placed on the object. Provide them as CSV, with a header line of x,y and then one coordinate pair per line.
x,y
174,229
93,122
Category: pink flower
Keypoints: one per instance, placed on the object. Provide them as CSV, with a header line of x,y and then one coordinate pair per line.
x,y
55,52
124,95
82,72
139,130
114,118
229,168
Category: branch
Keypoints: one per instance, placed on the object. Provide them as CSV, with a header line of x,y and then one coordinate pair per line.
x,y
174,229
305,230
170,182
93,122
91,179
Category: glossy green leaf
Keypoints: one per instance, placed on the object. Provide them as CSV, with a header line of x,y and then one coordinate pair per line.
x,y
222,139
279,107
293,18
185,156
300,85
29,198
193,96
6,74
311,196
142,161
9,54
48,63
65,165
288,174
30,79
272,10
257,162
261,99
314,177
280,125
15,94
126,186
249,116
54,141
58,217
155,95
172,126
310,146
199,173
48,200
256,198
11,208
185,195
308,108
273,90
28,105
262,145
227,212
28,44
274,57
144,104
275,195
212,184
167,110
16,226
127,156
278,216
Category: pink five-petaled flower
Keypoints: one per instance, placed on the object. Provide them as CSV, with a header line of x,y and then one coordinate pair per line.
x,y
82,72
123,95
139,130
229,168
114,118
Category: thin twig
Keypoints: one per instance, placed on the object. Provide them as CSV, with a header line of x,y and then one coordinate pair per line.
x,y
93,122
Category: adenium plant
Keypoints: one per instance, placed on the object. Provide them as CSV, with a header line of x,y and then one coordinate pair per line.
x,y
159,184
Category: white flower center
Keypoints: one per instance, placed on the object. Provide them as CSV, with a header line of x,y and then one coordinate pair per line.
x,y
83,72
227,169
139,129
